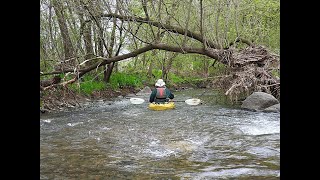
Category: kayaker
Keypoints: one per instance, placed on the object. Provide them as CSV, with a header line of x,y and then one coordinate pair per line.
x,y
160,94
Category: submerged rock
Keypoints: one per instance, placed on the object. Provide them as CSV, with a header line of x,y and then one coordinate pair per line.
x,y
130,95
145,91
181,146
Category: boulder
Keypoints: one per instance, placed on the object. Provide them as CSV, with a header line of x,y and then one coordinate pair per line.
x,y
258,101
273,108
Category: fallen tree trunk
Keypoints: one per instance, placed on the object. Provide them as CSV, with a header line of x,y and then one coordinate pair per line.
x,y
49,82
250,69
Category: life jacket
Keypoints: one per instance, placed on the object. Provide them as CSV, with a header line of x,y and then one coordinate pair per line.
x,y
161,93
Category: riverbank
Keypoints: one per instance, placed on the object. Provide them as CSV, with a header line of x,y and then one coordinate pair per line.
x,y
61,98
58,99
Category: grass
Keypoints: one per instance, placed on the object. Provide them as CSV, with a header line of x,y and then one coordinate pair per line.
x,y
90,84
119,80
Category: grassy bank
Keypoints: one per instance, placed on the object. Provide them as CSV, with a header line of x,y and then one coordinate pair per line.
x,y
122,81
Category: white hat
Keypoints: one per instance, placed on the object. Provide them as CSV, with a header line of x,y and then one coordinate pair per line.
x,y
160,83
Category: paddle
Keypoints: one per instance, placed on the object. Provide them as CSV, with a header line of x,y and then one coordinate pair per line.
x,y
192,102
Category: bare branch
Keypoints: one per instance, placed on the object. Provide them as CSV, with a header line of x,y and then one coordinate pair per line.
x,y
210,53
166,27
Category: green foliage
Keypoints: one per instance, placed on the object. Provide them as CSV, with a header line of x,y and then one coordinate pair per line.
x,y
157,73
275,73
254,20
177,79
122,80
135,8
88,85
217,70
261,22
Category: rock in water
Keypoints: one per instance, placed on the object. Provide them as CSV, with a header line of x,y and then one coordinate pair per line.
x,y
273,108
258,101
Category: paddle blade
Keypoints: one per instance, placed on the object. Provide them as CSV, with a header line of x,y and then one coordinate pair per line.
x,y
136,100
193,101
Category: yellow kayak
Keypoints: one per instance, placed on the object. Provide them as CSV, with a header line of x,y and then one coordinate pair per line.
x,y
161,107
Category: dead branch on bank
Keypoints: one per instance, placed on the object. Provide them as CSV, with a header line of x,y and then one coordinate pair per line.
x,y
58,98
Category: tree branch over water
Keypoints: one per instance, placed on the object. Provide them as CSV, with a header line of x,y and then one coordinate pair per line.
x,y
160,46
186,27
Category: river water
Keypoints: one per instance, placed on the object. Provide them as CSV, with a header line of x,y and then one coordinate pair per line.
x,y
120,140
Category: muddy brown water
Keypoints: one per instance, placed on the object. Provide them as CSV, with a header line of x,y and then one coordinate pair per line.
x,y
119,140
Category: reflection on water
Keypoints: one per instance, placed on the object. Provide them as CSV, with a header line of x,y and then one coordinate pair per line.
x,y
125,141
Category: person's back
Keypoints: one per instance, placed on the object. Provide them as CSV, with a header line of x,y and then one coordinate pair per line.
x,y
160,94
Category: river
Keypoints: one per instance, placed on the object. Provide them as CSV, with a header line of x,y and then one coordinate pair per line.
x,y
120,140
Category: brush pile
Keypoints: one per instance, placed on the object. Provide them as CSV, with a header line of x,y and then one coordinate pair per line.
x,y
249,70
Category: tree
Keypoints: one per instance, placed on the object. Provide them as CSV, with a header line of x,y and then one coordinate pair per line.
x,y
67,44
219,29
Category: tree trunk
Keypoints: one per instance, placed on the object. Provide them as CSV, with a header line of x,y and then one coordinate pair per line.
x,y
67,44
169,65
88,42
107,73
99,42
109,69
150,68
52,39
